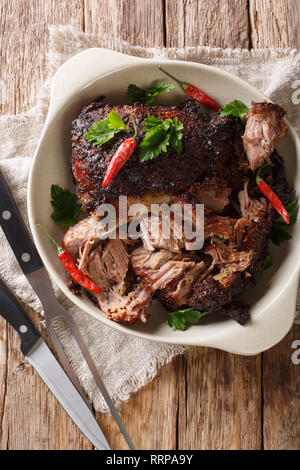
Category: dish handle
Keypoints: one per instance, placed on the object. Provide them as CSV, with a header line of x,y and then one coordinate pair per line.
x,y
77,73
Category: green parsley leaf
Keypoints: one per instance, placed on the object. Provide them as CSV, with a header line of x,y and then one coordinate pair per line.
x,y
155,142
115,121
234,108
103,131
136,94
159,135
267,263
292,210
66,208
279,234
160,87
146,96
182,318
176,135
99,133
150,122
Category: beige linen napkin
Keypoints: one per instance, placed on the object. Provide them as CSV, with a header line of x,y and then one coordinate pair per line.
x,y
125,362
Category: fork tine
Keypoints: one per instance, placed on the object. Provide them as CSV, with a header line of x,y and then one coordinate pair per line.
x,y
91,364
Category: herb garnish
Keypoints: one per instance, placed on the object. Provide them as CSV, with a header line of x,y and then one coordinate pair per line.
x,y
103,131
65,205
146,96
182,318
267,263
160,135
234,108
280,234
292,210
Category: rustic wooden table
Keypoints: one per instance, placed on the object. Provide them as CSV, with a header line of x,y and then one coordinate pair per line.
x,y
206,399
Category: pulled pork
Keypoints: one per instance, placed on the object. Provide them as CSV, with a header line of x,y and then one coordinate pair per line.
x,y
264,129
210,279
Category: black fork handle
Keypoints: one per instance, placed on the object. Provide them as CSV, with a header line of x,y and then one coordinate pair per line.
x,y
16,231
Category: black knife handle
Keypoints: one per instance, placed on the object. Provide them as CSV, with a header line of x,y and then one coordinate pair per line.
x,y
16,231
12,310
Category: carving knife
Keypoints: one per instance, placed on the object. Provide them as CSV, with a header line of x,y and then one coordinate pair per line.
x,y
32,266
41,358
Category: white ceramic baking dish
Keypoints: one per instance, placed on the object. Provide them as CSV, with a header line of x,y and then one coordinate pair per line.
x,y
96,72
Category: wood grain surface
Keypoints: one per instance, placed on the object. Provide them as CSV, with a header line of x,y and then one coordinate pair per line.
x,y
221,24
206,399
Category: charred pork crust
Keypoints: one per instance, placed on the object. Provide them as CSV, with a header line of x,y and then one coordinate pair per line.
x,y
73,286
275,177
266,107
210,295
211,147
239,313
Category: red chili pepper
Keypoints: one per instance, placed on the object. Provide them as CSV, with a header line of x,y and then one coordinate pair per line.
x,y
70,266
124,151
194,92
273,198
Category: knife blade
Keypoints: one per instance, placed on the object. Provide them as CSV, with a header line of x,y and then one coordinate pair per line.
x,y
41,358
29,260
32,266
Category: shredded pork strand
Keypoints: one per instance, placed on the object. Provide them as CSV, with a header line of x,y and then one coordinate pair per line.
x,y
83,256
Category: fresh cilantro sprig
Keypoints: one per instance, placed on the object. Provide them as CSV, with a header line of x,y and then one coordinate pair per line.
x,y
66,208
146,96
160,135
103,131
278,233
182,318
234,108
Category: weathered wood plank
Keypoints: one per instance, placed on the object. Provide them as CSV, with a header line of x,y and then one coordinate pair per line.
x,y
150,416
281,392
30,417
275,23
24,44
220,401
207,23
140,23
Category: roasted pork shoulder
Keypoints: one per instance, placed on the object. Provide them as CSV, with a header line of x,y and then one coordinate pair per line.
x,y
215,168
